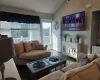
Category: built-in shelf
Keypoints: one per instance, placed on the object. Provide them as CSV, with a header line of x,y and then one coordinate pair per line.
x,y
71,49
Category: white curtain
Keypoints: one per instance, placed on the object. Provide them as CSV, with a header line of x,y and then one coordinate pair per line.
x,y
35,32
5,28
20,31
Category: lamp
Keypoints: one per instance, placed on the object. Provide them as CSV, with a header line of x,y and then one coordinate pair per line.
x,y
6,53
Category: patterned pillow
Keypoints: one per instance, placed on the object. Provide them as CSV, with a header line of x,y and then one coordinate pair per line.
x,y
81,56
83,62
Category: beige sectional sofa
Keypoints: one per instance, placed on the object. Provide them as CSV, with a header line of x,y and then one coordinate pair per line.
x,y
90,71
30,50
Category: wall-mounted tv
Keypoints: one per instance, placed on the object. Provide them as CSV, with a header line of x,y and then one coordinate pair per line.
x,y
74,22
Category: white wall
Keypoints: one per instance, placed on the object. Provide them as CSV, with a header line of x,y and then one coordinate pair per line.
x,y
56,37
74,6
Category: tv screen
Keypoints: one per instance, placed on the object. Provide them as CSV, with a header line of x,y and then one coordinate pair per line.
x,y
74,22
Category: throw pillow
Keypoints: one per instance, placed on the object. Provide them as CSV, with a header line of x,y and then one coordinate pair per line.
x,y
39,46
34,42
83,62
28,46
91,57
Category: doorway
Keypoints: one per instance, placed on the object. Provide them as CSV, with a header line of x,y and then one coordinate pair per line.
x,y
47,33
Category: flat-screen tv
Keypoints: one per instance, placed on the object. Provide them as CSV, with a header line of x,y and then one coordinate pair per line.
x,y
74,22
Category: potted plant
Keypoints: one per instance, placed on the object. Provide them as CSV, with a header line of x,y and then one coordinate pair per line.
x,y
78,38
65,36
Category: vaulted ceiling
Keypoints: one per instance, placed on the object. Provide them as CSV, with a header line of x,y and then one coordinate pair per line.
x,y
45,6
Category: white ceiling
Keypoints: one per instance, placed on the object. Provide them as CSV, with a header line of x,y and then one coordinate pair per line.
x,y
45,6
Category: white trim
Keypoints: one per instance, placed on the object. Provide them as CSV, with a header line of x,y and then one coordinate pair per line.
x,y
46,20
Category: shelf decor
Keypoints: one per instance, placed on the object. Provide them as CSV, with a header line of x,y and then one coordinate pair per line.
x,y
66,36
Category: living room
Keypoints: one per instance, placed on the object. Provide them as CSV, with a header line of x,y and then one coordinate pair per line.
x,y
48,31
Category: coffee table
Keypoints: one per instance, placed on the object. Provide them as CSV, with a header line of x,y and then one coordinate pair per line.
x,y
48,65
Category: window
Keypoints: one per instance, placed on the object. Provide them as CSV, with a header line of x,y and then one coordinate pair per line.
x,y
20,31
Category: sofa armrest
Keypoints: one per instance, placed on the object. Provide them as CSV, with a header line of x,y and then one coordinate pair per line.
x,y
20,62
45,47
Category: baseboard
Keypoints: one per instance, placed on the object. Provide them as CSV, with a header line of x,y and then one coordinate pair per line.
x,y
56,50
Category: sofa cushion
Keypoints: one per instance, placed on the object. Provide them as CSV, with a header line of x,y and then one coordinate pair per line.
x,y
34,42
35,55
53,76
87,72
19,48
28,46
91,57
70,67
